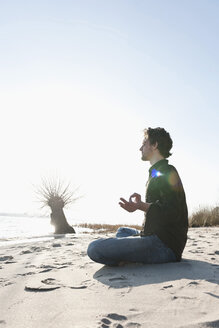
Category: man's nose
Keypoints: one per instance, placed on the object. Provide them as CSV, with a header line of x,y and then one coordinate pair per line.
x,y
141,148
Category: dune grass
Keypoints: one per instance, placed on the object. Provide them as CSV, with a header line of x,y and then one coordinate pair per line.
x,y
103,228
205,217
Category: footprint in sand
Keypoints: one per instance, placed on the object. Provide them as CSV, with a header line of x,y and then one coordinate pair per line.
x,y
2,322
49,284
192,283
35,249
45,285
117,321
183,297
56,245
167,286
25,252
6,258
26,274
46,268
4,282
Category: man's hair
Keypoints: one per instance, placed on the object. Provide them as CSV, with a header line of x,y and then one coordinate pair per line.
x,y
163,139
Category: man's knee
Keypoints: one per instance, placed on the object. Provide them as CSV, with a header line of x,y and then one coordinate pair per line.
x,y
93,250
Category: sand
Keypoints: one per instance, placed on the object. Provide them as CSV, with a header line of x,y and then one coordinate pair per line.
x,y
55,284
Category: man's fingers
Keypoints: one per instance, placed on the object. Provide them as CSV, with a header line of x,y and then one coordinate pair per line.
x,y
123,200
132,197
135,195
122,205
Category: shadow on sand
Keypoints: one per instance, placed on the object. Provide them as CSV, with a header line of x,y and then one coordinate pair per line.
x,y
146,274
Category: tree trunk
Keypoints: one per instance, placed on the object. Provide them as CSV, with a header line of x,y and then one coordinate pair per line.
x,y
59,221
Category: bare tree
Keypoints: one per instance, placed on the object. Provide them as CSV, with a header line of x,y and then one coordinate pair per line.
x,y
56,195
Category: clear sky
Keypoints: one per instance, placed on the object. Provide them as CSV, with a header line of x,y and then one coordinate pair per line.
x,y
80,80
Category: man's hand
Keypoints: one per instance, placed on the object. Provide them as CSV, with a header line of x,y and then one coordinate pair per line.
x,y
128,206
134,203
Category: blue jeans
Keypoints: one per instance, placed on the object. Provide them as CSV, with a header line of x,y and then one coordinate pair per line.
x,y
127,247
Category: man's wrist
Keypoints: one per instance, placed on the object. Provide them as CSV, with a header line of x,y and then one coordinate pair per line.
x,y
144,206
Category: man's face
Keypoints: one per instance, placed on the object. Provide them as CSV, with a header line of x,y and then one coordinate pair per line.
x,y
146,150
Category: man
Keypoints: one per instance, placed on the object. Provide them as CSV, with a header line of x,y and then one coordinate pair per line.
x,y
165,227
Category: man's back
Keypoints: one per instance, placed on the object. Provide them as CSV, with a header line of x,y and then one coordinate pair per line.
x,y
167,216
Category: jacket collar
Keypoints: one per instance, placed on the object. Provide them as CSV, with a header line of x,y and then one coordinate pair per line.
x,y
158,165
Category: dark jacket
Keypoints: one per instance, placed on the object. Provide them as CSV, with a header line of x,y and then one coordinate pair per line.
x,y
167,216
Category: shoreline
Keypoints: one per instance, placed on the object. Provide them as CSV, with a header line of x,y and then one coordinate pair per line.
x,y
54,283
81,229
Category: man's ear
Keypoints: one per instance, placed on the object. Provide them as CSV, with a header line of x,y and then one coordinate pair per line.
x,y
155,145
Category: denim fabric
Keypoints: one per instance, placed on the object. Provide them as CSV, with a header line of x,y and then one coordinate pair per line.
x,y
130,248
126,232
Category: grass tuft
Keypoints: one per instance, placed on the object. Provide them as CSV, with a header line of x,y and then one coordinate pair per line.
x,y
103,228
205,217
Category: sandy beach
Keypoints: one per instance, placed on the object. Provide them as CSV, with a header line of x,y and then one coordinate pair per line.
x,y
55,284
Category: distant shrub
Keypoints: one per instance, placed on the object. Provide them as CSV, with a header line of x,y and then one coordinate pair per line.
x,y
103,228
205,217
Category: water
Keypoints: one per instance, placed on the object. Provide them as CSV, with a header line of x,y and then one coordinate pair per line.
x,y
20,229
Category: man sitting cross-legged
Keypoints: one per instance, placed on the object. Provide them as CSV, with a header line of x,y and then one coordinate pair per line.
x,y
164,233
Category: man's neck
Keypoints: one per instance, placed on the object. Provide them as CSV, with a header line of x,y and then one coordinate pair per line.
x,y
156,158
